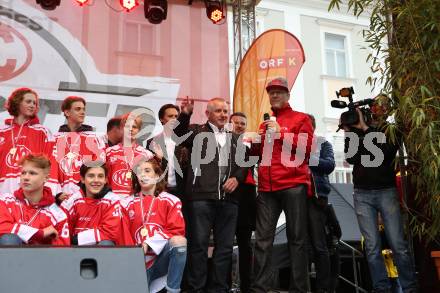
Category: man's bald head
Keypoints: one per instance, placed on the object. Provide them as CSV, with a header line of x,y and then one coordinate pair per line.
x,y
217,112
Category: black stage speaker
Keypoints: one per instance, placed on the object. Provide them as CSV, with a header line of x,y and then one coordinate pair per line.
x,y
72,270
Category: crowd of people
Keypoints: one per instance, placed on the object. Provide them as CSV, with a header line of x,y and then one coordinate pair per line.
x,y
190,188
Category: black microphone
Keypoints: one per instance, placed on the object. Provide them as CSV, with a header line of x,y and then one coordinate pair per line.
x,y
338,104
266,117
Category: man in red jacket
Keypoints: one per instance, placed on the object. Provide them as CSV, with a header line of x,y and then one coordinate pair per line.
x,y
283,181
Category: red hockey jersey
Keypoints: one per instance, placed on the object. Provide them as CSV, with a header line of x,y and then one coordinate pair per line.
x,y
18,216
70,151
119,162
163,219
94,220
17,141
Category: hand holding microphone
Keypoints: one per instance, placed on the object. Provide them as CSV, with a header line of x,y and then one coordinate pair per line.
x,y
271,126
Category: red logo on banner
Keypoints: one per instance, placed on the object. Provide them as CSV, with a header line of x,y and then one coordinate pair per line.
x,y
16,49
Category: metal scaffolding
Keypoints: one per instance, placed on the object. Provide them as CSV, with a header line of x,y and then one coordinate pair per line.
x,y
243,27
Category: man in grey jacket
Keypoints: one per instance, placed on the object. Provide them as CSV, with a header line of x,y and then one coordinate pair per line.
x,y
212,179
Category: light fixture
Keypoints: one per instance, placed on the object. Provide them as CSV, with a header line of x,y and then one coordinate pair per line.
x,y
82,2
215,10
49,4
129,5
155,10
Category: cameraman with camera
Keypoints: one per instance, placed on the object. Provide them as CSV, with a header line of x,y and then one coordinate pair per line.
x,y
372,155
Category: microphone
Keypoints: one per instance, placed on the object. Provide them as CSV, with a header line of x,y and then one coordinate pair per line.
x,y
338,104
266,117
341,104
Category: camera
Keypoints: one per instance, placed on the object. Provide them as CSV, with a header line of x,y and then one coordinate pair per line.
x,y
351,117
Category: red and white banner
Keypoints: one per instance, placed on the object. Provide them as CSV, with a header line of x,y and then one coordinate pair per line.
x,y
273,54
116,60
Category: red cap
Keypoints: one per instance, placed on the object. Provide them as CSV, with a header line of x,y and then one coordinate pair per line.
x,y
279,82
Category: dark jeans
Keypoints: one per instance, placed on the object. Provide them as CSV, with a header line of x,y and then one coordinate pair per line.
x,y
245,257
335,268
318,240
245,226
293,201
221,217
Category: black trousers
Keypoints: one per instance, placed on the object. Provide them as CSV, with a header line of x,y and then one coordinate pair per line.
x,y
245,226
318,240
293,201
221,217
335,268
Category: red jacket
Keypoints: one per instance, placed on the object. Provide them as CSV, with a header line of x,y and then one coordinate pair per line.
x,y
30,137
70,151
275,171
164,222
94,220
27,221
119,161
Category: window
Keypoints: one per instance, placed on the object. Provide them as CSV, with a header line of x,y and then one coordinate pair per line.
x,y
138,38
335,55
341,175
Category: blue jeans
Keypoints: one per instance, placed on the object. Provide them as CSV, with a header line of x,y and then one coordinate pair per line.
x,y
368,203
106,243
171,262
10,239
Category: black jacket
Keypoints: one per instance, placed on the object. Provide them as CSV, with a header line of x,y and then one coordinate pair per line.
x,y
180,159
325,166
368,177
207,185
82,128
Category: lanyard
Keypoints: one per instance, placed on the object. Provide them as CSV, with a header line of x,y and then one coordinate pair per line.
x,y
127,163
13,138
144,231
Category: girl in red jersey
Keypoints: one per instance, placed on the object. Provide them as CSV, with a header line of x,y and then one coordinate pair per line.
x,y
122,157
21,135
95,212
30,214
156,223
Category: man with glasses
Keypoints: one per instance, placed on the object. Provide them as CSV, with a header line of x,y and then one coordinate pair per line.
x,y
283,182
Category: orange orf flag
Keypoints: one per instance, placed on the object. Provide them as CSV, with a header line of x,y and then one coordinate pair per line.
x,y
275,53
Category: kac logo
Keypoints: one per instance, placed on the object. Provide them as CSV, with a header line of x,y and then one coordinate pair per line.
x,y
13,157
121,178
17,52
70,164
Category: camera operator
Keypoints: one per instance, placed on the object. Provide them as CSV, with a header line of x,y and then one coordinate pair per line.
x,y
374,192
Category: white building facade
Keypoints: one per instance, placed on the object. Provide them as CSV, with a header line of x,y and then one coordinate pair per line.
x,y
336,56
